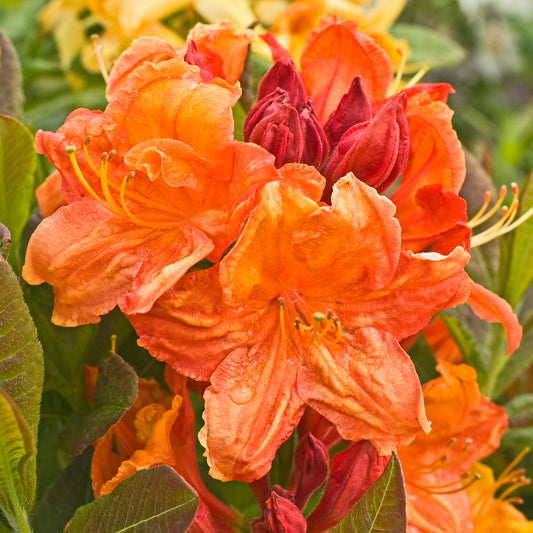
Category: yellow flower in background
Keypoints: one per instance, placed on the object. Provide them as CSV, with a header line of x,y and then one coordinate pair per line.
x,y
118,22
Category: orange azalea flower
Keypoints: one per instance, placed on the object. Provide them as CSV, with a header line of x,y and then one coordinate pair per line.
x,y
497,513
340,65
306,309
157,429
154,184
465,427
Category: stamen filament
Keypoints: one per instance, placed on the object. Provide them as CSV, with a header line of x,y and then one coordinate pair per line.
x,y
98,53
282,319
417,77
479,217
396,82
70,150
104,163
130,215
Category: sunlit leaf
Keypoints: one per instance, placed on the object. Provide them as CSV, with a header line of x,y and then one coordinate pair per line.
x,y
428,47
15,447
155,500
115,391
21,364
519,274
17,165
383,506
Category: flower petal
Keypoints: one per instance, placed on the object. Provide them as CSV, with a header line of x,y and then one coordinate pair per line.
x,y
491,307
333,56
93,259
252,405
367,386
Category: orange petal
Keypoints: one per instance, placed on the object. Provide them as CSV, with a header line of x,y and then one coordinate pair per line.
x,y
222,40
491,307
422,285
355,242
49,195
94,259
333,56
168,101
190,327
252,405
435,156
143,50
367,386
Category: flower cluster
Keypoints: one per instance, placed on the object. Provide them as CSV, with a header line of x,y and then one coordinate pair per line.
x,y
283,271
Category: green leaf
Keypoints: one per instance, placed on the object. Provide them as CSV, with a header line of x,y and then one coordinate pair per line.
x,y
11,76
428,47
17,165
520,414
70,490
115,391
424,360
155,500
21,364
519,274
15,447
382,508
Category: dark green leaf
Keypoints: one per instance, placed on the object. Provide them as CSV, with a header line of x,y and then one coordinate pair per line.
x,y
281,470
11,76
155,500
17,165
382,508
71,490
424,360
428,47
115,391
21,363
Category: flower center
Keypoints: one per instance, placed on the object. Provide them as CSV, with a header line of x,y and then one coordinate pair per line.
x,y
120,206
310,327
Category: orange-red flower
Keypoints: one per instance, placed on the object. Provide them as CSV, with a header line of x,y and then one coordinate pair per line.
x,y
306,309
465,427
157,429
154,184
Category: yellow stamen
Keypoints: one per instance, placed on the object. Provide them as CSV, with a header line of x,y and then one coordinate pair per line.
x,y
480,217
440,459
131,216
98,53
327,325
70,150
393,88
113,343
417,77
282,319
104,163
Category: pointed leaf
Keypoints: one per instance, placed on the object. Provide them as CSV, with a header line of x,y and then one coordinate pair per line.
x,y
21,364
382,508
17,165
15,448
115,391
155,500
520,268
428,47
11,76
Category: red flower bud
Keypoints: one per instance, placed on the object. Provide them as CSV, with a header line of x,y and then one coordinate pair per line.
x,y
311,461
283,75
376,151
353,108
353,471
290,132
280,514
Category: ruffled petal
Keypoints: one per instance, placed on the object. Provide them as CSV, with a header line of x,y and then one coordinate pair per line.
x,y
367,386
190,328
422,285
252,405
354,243
93,259
491,307
333,56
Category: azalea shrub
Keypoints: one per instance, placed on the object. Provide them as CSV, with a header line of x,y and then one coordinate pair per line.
x,y
258,288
